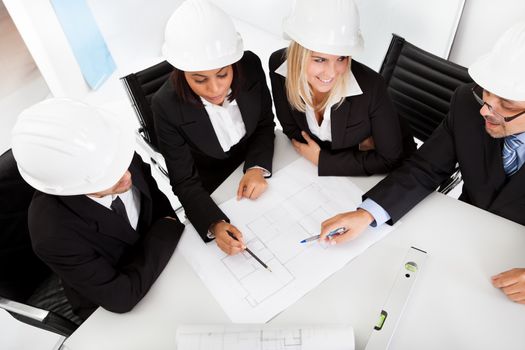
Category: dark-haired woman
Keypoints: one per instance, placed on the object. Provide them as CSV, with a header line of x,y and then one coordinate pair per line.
x,y
211,115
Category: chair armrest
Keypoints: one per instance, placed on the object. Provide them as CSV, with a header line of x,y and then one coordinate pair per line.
x,y
23,309
38,317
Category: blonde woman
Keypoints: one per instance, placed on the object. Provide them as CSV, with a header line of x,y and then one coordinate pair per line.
x,y
335,110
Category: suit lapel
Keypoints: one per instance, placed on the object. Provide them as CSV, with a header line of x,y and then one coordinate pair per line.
x,y
491,177
512,188
199,130
106,221
300,118
493,158
506,190
338,123
249,102
146,205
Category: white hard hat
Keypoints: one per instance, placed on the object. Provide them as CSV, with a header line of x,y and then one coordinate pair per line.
x,y
326,26
64,147
502,70
200,36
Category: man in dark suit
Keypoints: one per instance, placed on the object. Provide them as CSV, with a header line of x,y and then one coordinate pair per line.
x,y
97,218
485,133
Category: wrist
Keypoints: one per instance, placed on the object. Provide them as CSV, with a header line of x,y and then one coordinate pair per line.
x,y
258,171
213,227
365,214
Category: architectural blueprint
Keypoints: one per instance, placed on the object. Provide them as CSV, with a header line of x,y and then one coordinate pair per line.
x,y
216,337
293,207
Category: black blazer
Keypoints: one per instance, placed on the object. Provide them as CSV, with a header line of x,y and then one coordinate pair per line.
x,y
100,259
358,117
194,157
21,271
461,138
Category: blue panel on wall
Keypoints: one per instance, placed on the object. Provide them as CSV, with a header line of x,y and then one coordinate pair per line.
x,y
85,40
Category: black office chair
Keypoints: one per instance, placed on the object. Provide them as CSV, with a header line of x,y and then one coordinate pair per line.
x,y
21,271
421,85
141,87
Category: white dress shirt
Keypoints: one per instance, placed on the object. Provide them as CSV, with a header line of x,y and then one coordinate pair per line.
x,y
227,122
228,125
131,200
324,131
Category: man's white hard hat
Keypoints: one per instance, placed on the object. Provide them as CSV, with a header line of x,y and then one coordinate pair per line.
x,y
65,147
502,70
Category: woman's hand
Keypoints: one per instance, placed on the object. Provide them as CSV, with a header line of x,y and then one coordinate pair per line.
x,y
228,244
309,150
252,184
367,144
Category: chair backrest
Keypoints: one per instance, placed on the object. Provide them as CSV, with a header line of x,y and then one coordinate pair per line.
x,y
141,87
21,271
420,84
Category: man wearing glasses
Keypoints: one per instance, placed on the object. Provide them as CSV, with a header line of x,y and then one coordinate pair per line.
x,y
484,133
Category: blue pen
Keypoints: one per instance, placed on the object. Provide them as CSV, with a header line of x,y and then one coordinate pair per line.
x,y
335,232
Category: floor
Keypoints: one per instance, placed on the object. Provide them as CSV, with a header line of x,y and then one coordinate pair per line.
x,y
21,84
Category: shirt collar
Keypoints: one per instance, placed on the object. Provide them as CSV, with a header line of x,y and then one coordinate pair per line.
x,y
352,87
521,137
105,201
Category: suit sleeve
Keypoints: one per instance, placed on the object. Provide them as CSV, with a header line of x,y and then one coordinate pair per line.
x,y
386,132
184,178
283,110
420,174
261,145
115,288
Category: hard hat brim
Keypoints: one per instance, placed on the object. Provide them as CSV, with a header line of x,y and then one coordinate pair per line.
x,y
494,78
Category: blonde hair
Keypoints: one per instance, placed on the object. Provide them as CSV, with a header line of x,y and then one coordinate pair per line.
x,y
298,91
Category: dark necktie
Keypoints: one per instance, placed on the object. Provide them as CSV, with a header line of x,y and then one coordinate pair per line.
x,y
118,207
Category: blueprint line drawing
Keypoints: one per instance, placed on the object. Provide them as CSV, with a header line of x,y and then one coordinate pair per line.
x,y
274,238
294,206
217,337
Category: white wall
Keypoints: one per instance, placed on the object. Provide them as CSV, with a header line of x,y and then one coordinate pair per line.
x,y
134,37
133,30
483,21
429,25
263,14
45,40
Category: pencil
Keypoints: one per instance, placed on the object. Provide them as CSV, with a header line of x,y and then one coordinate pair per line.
x,y
250,252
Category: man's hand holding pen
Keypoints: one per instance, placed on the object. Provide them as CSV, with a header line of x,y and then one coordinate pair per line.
x,y
355,222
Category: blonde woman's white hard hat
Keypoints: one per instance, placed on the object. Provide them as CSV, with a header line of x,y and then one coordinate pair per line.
x,y
326,26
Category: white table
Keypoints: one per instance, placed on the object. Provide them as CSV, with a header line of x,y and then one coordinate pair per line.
x,y
453,304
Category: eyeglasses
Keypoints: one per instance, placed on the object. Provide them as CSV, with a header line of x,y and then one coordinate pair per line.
x,y
494,117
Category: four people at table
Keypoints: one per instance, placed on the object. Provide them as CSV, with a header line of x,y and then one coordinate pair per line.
x,y
215,112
